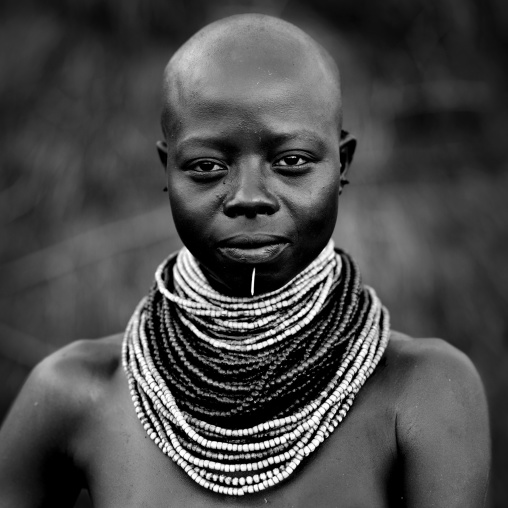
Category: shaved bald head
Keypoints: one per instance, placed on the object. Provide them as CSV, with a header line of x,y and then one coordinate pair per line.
x,y
246,52
252,123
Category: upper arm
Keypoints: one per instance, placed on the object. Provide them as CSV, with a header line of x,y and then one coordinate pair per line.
x,y
35,460
443,430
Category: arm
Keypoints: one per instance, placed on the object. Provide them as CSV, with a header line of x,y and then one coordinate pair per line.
x,y
443,430
36,466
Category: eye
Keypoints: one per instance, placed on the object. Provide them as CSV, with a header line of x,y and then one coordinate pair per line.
x,y
294,164
206,166
292,161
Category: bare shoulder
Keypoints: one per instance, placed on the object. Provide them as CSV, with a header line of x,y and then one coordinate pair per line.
x,y
420,366
37,439
87,355
429,357
73,376
432,375
93,359
61,387
442,424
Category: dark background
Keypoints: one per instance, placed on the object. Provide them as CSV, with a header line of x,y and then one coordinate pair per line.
x,y
84,222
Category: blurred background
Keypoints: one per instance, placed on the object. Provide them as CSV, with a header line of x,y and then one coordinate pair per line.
x,y
84,221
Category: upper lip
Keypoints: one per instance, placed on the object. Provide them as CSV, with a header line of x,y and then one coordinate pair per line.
x,y
251,241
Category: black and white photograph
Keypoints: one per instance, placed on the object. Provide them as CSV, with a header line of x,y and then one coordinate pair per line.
x,y
253,253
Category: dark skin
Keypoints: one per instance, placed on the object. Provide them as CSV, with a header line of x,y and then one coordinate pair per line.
x,y
264,165
253,153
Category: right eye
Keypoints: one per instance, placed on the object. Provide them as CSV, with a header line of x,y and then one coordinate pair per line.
x,y
206,166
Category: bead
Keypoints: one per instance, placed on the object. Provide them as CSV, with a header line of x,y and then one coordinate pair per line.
x,y
195,359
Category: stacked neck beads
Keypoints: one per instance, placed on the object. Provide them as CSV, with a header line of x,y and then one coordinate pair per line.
x,y
238,391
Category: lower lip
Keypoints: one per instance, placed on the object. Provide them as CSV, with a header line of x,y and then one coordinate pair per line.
x,y
254,255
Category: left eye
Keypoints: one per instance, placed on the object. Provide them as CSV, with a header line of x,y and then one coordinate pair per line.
x,y
291,160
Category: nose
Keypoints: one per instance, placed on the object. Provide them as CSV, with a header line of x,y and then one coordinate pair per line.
x,y
249,194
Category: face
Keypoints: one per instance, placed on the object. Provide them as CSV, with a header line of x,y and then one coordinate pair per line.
x,y
253,173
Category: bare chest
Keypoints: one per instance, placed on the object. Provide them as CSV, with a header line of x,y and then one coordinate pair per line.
x,y
355,467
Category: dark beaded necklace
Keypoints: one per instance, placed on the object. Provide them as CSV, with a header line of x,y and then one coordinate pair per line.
x,y
222,393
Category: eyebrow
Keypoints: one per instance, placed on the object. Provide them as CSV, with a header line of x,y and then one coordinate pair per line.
x,y
206,141
301,134
272,140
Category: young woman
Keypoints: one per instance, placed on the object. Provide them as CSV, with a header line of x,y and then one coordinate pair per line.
x,y
258,370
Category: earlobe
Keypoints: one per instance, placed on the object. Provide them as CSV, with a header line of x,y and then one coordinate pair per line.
x,y
162,150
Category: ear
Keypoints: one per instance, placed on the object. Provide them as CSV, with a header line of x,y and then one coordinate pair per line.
x,y
162,150
347,148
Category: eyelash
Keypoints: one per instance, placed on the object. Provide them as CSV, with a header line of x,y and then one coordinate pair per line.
x,y
277,164
306,160
194,166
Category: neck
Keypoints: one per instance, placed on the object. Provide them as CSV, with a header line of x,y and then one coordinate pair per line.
x,y
241,286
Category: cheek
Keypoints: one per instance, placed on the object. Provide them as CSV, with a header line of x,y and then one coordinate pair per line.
x,y
317,218
187,213
193,210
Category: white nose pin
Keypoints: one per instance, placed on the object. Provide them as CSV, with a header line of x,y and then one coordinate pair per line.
x,y
252,281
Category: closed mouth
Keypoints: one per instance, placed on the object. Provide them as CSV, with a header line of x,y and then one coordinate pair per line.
x,y
252,249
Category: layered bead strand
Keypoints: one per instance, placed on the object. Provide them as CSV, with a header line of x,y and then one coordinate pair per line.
x,y
238,391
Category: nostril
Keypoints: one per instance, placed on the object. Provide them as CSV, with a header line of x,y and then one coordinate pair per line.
x,y
250,206
250,209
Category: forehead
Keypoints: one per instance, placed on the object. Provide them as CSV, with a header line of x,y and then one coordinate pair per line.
x,y
254,98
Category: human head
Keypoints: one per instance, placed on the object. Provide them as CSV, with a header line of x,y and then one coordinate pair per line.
x,y
253,152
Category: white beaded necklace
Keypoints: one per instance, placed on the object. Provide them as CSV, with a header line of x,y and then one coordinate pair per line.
x,y
237,461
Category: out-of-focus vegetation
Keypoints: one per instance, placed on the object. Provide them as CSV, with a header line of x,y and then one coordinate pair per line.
x,y
84,222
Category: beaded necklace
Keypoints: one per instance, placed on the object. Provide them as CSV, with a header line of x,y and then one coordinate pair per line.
x,y
238,391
